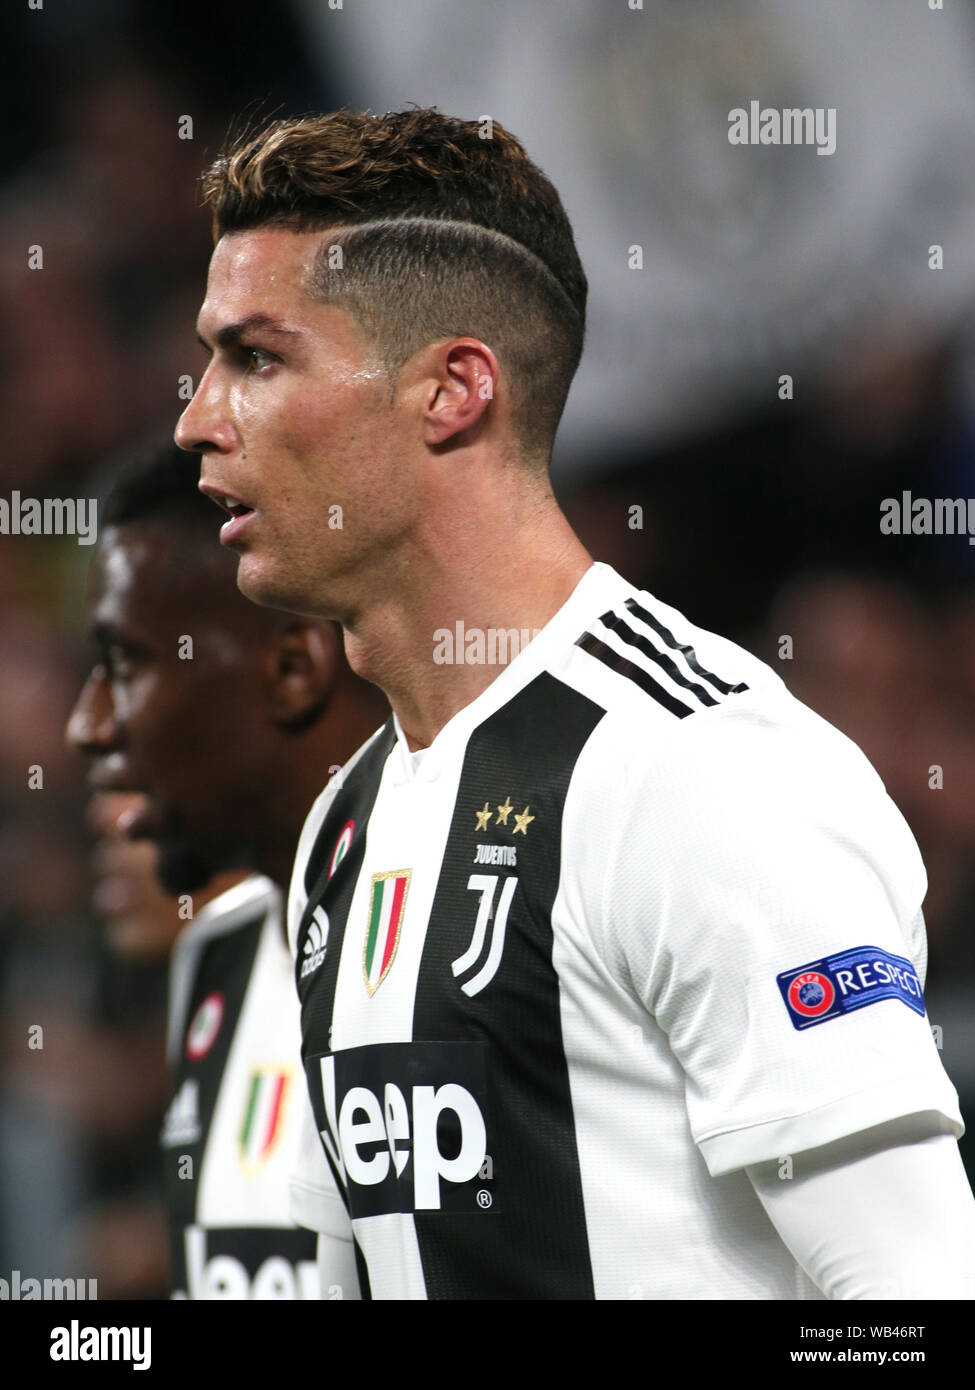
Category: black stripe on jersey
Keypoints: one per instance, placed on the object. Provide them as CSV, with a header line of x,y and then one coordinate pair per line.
x,y
316,991
643,644
690,655
624,667
531,1241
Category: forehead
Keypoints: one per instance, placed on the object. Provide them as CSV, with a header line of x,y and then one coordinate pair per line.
x,y
134,587
264,271
120,582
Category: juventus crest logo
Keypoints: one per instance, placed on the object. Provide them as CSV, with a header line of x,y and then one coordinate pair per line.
x,y
487,943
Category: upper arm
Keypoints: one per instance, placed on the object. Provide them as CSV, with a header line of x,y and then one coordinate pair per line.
x,y
755,852
886,1213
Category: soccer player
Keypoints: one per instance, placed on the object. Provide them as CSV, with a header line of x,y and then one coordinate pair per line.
x,y
225,719
609,951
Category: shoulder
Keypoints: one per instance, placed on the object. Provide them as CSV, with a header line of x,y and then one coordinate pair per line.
x,y
693,720
246,903
743,793
311,830
756,785
648,666
323,802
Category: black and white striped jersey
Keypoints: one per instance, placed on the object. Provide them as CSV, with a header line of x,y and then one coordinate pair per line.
x,y
635,920
231,1132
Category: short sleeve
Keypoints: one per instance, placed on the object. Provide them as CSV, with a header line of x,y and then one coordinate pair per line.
x,y
760,889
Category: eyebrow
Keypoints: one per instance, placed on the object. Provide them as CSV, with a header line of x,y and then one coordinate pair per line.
x,y
231,334
103,633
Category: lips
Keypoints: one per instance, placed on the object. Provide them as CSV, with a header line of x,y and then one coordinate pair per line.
x,y
118,810
239,511
232,505
232,530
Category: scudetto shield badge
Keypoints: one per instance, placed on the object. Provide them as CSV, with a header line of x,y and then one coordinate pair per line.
x,y
263,1111
387,899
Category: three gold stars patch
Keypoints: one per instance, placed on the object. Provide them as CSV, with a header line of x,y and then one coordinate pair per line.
x,y
520,826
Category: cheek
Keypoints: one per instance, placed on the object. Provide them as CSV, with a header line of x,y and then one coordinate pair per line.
x,y
339,421
285,406
246,410
162,722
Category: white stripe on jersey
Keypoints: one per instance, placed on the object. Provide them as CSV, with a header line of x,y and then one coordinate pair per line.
x,y
232,1192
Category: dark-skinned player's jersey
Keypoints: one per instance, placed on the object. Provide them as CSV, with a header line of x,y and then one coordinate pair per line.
x,y
231,1131
636,920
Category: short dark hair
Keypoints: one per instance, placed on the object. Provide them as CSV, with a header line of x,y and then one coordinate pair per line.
x,y
156,483
447,229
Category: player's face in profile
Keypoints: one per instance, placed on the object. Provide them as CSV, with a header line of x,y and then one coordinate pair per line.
x,y
157,718
294,422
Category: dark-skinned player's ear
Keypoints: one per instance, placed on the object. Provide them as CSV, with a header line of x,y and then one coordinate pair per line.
x,y
302,666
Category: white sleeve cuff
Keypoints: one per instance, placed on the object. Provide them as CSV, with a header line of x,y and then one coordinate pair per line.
x,y
733,1149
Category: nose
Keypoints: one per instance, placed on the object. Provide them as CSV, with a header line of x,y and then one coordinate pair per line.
x,y
92,727
204,426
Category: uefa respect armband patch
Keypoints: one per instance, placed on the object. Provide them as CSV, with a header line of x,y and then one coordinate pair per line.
x,y
839,984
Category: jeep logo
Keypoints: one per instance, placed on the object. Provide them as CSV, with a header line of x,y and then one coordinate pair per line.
x,y
222,1275
400,1135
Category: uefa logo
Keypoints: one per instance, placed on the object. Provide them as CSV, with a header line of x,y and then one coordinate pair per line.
x,y
811,994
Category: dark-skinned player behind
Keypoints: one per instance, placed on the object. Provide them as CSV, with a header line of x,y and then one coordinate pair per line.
x,y
225,719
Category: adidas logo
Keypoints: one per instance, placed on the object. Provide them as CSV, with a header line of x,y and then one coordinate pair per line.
x,y
315,942
182,1122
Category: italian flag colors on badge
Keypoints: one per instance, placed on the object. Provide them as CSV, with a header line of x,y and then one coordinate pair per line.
x,y
387,900
263,1113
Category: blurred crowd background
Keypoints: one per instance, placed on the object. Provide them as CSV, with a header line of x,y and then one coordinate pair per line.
x,y
679,460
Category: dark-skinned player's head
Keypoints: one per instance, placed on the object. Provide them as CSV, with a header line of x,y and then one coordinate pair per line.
x,y
225,717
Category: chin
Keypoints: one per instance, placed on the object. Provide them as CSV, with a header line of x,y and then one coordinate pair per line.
x,y
183,868
253,583
266,591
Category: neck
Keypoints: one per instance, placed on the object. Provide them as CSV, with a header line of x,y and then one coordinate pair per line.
x,y
482,570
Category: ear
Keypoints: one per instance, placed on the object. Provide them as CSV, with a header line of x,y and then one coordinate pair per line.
x,y
460,383
301,665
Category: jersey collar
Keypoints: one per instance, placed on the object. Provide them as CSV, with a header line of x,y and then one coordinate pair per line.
x,y
231,909
597,590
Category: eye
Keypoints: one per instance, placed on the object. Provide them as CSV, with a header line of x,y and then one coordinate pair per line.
x,y
258,359
117,662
